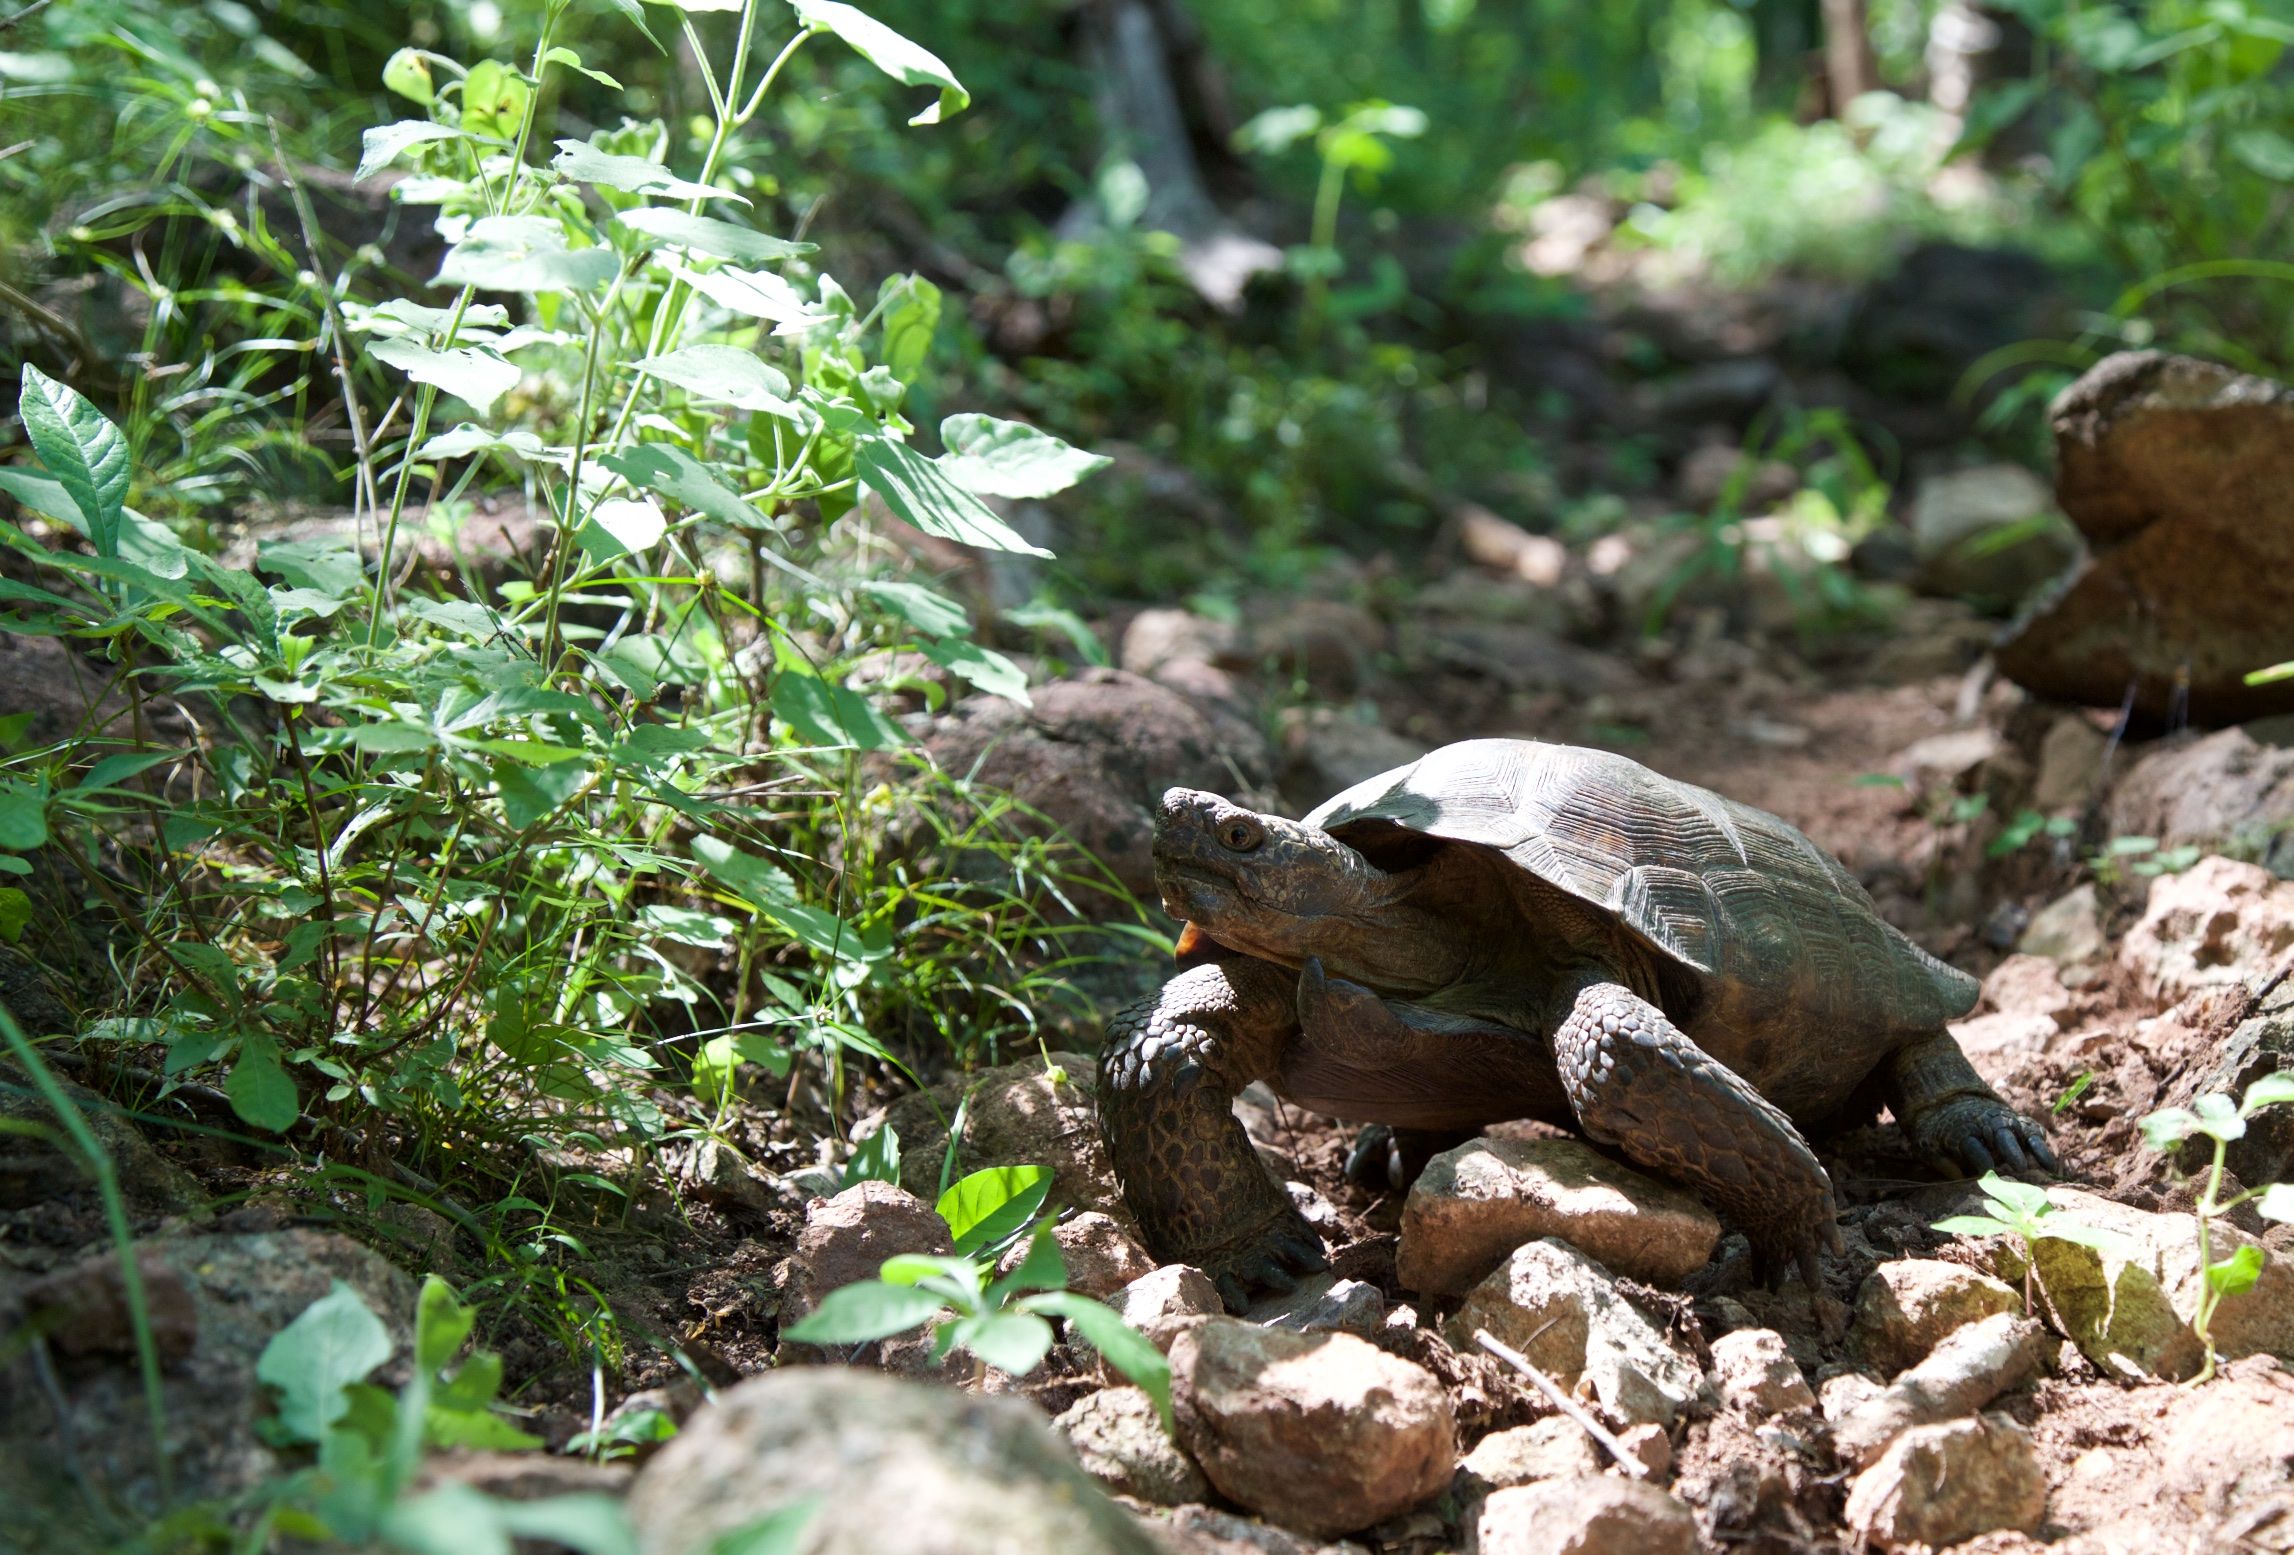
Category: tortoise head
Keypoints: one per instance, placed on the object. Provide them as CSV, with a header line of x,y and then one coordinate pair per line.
x,y
1280,890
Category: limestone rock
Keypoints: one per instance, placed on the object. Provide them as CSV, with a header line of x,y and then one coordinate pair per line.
x,y
1553,1448
1605,1516
2217,922
1560,1309
2129,1309
1989,534
1157,1303
1093,754
1473,1205
847,1238
1323,1303
1757,1374
2180,473
2229,792
1906,1307
2069,932
1969,1369
1941,1484
1020,1115
218,1299
1319,1432
1120,1442
894,1466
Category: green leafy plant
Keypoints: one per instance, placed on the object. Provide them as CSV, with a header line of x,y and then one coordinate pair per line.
x,y
2141,857
1004,1320
2222,1120
2021,1210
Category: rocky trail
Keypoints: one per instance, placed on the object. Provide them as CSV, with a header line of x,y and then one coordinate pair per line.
x,y
2111,884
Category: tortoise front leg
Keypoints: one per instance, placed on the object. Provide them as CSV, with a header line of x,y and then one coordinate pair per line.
x,y
1168,1078
1952,1118
1637,1082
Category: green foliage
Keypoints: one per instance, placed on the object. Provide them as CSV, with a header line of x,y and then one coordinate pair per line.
x,y
2020,1210
1002,1321
2222,1119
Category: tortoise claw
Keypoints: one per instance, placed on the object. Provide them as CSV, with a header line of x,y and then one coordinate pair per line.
x,y
1370,1163
1274,1258
1971,1135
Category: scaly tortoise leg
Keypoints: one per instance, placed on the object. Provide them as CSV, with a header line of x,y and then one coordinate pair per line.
x,y
1637,1082
1954,1120
1168,1078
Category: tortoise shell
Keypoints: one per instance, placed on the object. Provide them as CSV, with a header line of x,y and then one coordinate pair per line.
x,y
1773,926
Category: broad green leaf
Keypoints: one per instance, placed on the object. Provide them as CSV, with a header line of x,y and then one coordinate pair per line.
x,y
632,175
662,226
758,294
386,143
934,614
81,449
470,438
2269,1091
1272,131
494,100
2218,1117
1008,459
983,667
399,316
889,52
768,888
830,715
335,1342
992,1203
441,1323
407,73
1015,1342
2277,1202
572,61
524,254
2236,1274
1126,1349
23,815
114,770
1043,1268
260,1089
2019,1196
913,1268
1042,616
780,1533
469,373
2169,1127
875,1159
2266,151
871,1309
620,526
15,914
635,14
683,479
478,1430
726,374
1974,1225
918,492
911,313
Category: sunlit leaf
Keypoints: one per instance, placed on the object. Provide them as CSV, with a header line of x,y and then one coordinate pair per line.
x,y
726,374
524,254
494,100
386,143
932,613
983,667
1126,1349
469,373
992,1203
620,526
920,493
1015,1342
336,1341
889,52
856,1314
663,227
82,450
2269,1091
758,294
632,175
2236,1274
1009,459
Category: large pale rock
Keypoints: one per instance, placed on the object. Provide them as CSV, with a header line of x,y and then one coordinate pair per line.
x,y
1968,1370
1156,638
1018,1115
2069,932
1991,533
847,1238
1474,1205
1605,1516
1159,1303
1322,1303
2180,474
2129,1309
2229,792
1092,755
891,1465
1120,1441
2217,922
1755,1373
1562,1310
1907,1307
1319,1432
1553,1448
215,1301
1941,1484
2074,757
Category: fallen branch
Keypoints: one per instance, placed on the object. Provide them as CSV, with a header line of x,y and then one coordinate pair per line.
x,y
1634,1468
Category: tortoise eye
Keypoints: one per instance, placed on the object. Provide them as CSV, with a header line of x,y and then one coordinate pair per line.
x,y
1241,835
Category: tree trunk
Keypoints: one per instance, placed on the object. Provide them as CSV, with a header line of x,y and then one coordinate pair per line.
x,y
1850,68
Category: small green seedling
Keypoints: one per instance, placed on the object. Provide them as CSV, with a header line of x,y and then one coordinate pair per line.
x,y
2072,1092
2223,1120
999,1321
2020,1210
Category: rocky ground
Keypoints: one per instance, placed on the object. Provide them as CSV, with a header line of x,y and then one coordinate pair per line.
x,y
1927,1395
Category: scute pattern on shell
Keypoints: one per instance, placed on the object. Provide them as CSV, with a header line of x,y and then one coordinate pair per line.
x,y
1770,918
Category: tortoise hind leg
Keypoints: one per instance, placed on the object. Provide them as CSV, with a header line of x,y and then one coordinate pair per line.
x,y
1168,1078
1639,1083
1952,1118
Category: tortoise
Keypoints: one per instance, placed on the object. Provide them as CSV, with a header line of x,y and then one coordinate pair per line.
x,y
1508,929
